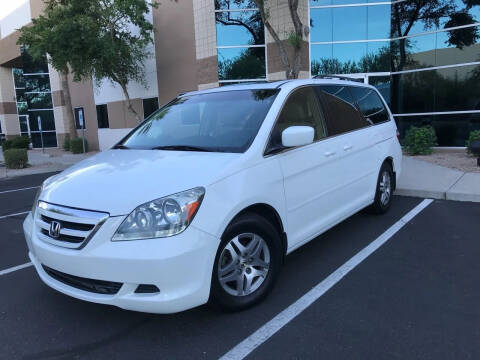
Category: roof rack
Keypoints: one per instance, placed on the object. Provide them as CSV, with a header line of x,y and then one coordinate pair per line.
x,y
339,77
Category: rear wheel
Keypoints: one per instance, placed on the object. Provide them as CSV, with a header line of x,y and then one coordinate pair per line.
x,y
247,263
384,192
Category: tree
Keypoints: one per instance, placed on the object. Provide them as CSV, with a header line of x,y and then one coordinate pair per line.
x,y
94,39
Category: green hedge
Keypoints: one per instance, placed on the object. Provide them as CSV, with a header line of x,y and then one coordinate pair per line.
x,y
16,158
19,142
474,135
420,140
66,143
76,146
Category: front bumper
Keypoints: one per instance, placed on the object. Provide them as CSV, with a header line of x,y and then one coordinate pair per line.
x,y
180,266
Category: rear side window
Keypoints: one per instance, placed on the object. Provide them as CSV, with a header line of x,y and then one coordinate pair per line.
x,y
370,105
343,115
301,109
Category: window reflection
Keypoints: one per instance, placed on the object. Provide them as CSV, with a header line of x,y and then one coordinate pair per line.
x,y
378,22
321,25
234,4
239,28
241,63
350,23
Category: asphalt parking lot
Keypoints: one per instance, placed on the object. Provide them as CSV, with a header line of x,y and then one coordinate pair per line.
x,y
415,297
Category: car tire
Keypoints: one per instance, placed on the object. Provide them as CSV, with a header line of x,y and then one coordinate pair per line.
x,y
247,263
384,190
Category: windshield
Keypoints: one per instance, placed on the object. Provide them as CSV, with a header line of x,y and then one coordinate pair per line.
x,y
225,121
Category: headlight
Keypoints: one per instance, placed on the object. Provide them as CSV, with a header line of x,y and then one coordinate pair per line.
x,y
35,201
163,217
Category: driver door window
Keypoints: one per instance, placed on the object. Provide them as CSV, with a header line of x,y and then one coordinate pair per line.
x,y
301,109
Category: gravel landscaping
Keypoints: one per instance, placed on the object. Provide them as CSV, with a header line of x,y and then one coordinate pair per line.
x,y
454,159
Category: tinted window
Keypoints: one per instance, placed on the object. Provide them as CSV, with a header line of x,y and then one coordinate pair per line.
x,y
370,105
102,116
149,106
301,109
343,115
221,121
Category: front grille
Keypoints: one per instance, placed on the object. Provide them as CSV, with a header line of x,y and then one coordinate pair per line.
x,y
74,227
90,285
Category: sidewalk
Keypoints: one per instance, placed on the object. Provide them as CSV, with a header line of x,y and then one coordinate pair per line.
x,y
51,160
423,179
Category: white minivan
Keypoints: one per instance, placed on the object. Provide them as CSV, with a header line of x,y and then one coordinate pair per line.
x,y
204,199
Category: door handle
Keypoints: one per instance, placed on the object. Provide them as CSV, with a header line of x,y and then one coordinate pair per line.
x,y
347,147
330,153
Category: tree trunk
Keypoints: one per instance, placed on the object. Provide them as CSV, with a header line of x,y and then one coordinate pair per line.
x,y
72,131
129,102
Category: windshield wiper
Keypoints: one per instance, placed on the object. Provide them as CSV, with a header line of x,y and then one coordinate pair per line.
x,y
120,146
181,148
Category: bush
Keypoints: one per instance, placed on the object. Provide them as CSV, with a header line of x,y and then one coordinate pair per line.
x,y
420,140
19,142
66,143
76,146
7,144
474,135
16,158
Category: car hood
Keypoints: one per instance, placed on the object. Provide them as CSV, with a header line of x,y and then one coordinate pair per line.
x,y
117,181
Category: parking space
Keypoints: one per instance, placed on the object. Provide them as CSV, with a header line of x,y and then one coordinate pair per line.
x,y
415,297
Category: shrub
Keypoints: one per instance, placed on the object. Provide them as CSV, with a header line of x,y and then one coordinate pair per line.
x,y
7,144
21,142
420,140
76,146
474,135
66,143
16,158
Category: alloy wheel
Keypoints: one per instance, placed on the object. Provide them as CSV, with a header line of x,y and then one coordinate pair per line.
x,y
244,264
385,188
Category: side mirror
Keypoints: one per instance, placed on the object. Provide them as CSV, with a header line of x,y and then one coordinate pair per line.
x,y
297,136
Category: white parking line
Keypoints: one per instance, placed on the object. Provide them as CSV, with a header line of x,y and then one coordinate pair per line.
x,y
16,214
15,268
245,347
22,189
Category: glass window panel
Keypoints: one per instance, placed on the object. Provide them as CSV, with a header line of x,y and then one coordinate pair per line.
x,y
413,92
457,88
102,116
419,52
22,108
20,95
451,129
350,23
378,58
149,106
49,139
46,118
241,63
234,4
37,83
18,78
321,24
301,109
378,21
23,123
340,102
458,46
382,83
370,104
239,28
320,2
321,60
31,66
349,58
39,100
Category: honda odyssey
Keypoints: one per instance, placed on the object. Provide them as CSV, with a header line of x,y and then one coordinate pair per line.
x,y
203,200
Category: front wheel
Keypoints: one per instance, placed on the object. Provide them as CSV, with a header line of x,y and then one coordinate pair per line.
x,y
384,192
247,263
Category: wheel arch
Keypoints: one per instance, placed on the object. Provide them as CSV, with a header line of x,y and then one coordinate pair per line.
x,y
269,213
